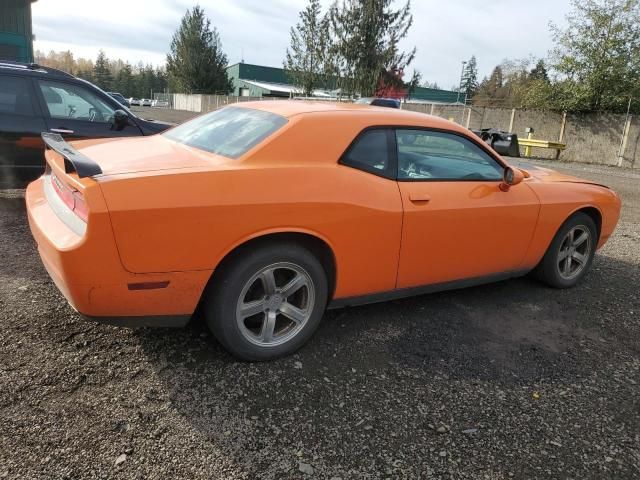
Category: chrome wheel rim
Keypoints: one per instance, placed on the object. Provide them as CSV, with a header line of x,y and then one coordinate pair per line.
x,y
275,304
574,253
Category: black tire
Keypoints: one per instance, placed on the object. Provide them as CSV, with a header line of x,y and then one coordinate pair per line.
x,y
548,270
221,300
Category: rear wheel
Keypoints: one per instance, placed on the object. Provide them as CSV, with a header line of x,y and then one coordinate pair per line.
x,y
268,302
570,254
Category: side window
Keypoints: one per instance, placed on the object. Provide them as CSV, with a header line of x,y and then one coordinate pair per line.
x,y
370,152
15,98
427,155
68,101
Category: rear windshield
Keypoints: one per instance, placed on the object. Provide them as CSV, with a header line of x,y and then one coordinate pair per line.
x,y
230,131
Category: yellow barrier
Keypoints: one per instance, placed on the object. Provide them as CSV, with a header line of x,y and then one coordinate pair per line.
x,y
530,143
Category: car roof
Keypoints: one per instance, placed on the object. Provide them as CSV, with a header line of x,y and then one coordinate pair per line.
x,y
32,69
381,115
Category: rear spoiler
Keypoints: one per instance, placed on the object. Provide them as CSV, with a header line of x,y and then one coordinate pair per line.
x,y
73,159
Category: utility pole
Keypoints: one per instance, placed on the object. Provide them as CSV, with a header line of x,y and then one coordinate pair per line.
x,y
464,62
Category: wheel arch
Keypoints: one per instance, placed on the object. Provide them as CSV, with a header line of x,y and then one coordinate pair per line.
x,y
594,213
317,244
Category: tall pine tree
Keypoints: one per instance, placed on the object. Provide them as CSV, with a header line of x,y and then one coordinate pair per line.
x,y
366,35
305,58
102,72
470,78
196,63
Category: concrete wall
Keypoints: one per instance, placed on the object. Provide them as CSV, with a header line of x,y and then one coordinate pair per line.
x,y
590,138
203,103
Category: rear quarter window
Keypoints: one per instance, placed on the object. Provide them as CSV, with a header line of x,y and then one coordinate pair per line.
x,y
230,131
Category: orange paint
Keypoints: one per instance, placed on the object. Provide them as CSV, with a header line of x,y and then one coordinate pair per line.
x,y
166,212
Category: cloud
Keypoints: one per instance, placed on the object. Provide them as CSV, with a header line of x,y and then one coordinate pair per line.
x,y
445,33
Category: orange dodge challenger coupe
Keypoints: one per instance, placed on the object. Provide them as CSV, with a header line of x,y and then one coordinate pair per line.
x,y
267,213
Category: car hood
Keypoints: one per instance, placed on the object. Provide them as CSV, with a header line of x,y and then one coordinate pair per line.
x,y
145,154
543,174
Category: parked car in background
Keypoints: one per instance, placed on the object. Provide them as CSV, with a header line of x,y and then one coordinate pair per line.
x,y
379,102
145,102
134,101
35,99
120,98
265,213
160,103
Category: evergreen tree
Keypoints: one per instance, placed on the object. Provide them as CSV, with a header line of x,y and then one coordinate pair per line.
x,y
469,84
539,72
305,58
196,63
366,35
124,81
102,76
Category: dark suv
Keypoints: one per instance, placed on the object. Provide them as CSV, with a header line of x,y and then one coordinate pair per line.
x,y
35,99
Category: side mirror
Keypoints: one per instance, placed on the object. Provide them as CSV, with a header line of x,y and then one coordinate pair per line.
x,y
512,176
120,119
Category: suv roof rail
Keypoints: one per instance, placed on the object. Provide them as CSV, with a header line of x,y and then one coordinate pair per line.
x,y
33,66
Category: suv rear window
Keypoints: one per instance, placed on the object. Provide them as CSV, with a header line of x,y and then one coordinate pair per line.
x,y
14,96
230,131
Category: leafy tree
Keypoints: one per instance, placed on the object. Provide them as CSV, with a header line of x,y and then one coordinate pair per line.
x,y
305,58
102,76
366,36
598,55
470,78
196,63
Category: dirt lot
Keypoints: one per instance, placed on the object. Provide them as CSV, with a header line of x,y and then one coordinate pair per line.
x,y
510,380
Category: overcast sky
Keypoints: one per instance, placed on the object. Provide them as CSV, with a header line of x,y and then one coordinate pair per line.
x,y
444,32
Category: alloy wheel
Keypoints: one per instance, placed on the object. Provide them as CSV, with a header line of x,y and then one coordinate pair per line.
x,y
275,304
574,252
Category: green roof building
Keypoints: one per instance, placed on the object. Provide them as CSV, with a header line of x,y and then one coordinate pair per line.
x,y
432,95
259,81
16,37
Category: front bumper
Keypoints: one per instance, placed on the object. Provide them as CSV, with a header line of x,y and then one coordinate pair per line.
x,y
86,268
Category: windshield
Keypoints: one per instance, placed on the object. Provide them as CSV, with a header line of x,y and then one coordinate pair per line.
x,y
230,131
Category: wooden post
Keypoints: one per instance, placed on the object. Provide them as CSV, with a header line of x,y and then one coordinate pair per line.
x,y
468,118
625,139
431,112
563,125
513,115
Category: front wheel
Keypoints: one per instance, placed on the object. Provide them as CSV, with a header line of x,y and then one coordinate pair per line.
x,y
267,302
570,254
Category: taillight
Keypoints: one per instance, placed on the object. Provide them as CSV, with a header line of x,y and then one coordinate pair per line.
x,y
72,198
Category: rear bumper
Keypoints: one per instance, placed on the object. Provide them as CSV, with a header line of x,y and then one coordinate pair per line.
x,y
87,270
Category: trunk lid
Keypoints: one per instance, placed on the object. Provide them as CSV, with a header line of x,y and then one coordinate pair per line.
x,y
144,154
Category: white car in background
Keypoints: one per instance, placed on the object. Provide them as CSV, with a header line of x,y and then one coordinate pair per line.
x,y
134,101
145,102
160,103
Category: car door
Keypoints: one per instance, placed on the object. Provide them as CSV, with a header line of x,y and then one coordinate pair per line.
x,y
21,123
75,111
457,224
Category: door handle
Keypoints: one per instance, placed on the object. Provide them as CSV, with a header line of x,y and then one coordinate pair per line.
x,y
419,197
61,130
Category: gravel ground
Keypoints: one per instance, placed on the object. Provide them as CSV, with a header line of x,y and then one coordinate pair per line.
x,y
509,380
